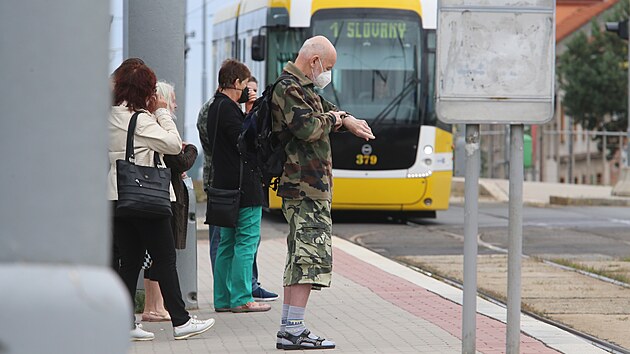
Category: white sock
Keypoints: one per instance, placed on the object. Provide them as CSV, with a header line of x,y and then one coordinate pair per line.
x,y
283,318
295,320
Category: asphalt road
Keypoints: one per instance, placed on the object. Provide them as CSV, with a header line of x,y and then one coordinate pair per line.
x,y
584,232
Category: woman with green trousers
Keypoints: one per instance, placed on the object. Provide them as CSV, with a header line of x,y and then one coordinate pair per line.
x,y
235,256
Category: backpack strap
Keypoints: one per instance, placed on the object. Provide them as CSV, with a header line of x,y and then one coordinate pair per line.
x,y
284,135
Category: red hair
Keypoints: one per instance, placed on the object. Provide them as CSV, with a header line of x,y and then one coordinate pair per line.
x,y
135,84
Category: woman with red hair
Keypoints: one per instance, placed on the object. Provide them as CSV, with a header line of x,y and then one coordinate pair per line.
x,y
134,91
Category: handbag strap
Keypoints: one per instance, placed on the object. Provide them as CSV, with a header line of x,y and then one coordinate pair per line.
x,y
214,142
129,149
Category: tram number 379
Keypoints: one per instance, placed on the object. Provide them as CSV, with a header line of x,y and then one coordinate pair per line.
x,y
366,160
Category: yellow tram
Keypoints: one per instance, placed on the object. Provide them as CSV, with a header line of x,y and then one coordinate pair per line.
x,y
384,74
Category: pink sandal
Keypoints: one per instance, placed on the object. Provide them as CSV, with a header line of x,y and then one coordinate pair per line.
x,y
251,307
155,317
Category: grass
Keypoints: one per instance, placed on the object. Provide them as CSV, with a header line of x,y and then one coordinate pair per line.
x,y
483,292
608,274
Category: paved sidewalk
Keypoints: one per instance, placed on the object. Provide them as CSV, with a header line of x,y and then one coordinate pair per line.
x,y
541,193
375,305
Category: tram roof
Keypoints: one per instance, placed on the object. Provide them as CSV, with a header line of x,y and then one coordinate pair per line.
x,y
246,6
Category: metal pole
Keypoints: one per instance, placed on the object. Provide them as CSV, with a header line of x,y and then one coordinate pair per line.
x,y
605,162
204,72
571,157
491,154
515,240
541,153
471,227
156,33
59,293
506,152
588,157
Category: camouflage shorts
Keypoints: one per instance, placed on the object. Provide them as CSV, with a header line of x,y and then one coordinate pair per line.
x,y
309,243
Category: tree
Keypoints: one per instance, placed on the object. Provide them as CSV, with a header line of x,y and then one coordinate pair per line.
x,y
593,73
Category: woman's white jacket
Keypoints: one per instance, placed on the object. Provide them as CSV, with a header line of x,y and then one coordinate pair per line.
x,y
154,133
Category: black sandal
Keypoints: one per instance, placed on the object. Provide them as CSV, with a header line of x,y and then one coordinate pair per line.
x,y
279,335
303,341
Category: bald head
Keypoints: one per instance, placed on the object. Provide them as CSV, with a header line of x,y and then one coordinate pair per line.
x,y
318,45
315,51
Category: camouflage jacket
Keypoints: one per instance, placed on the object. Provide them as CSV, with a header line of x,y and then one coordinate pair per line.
x,y
202,127
308,169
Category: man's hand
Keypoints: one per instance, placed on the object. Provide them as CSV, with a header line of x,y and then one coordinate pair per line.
x,y
358,127
339,121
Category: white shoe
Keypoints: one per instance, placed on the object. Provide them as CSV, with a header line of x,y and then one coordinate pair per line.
x,y
138,334
192,328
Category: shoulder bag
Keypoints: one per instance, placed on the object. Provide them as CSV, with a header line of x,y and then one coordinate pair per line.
x,y
223,204
143,191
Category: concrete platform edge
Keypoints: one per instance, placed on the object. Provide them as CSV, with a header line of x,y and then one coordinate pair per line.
x,y
552,336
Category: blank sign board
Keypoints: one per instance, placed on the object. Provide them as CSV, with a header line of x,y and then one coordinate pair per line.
x,y
495,61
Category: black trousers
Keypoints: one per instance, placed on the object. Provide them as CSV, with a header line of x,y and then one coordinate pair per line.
x,y
132,236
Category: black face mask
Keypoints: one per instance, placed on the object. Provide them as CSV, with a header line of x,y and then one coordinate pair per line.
x,y
244,95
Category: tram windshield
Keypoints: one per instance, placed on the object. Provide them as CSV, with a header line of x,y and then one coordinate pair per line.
x,y
376,76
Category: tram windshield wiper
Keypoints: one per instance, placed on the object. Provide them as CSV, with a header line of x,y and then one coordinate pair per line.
x,y
407,89
395,102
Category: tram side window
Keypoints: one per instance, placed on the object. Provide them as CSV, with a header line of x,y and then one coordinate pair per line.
x,y
283,47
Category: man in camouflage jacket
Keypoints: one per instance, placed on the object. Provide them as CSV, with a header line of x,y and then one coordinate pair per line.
x,y
306,183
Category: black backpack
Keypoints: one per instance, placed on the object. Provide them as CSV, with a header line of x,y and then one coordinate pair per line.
x,y
259,142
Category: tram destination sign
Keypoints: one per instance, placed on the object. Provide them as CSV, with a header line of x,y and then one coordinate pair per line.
x,y
495,61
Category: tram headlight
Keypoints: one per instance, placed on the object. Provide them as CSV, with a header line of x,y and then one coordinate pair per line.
x,y
420,175
428,202
428,149
428,162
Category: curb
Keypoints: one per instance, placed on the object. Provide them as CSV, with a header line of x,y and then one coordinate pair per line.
x,y
570,201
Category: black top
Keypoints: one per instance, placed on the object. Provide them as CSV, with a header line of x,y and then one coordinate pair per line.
x,y
226,158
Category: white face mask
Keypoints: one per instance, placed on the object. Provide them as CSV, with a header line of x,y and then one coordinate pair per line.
x,y
323,79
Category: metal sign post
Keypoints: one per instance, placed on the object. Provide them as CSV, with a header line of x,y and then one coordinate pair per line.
x,y
495,65
515,240
471,227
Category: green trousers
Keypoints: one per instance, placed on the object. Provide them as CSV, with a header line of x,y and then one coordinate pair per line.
x,y
235,257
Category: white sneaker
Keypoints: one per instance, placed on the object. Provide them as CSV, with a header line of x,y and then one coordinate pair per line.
x,y
138,334
192,328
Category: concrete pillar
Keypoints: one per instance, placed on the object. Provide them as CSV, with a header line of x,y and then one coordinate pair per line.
x,y
58,292
155,31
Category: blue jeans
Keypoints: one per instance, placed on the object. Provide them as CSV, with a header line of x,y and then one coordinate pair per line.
x,y
215,238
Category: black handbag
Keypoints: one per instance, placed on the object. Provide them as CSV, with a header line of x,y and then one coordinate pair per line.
x,y
143,191
223,204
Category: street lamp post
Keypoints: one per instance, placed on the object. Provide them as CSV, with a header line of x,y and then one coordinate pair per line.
x,y
204,73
